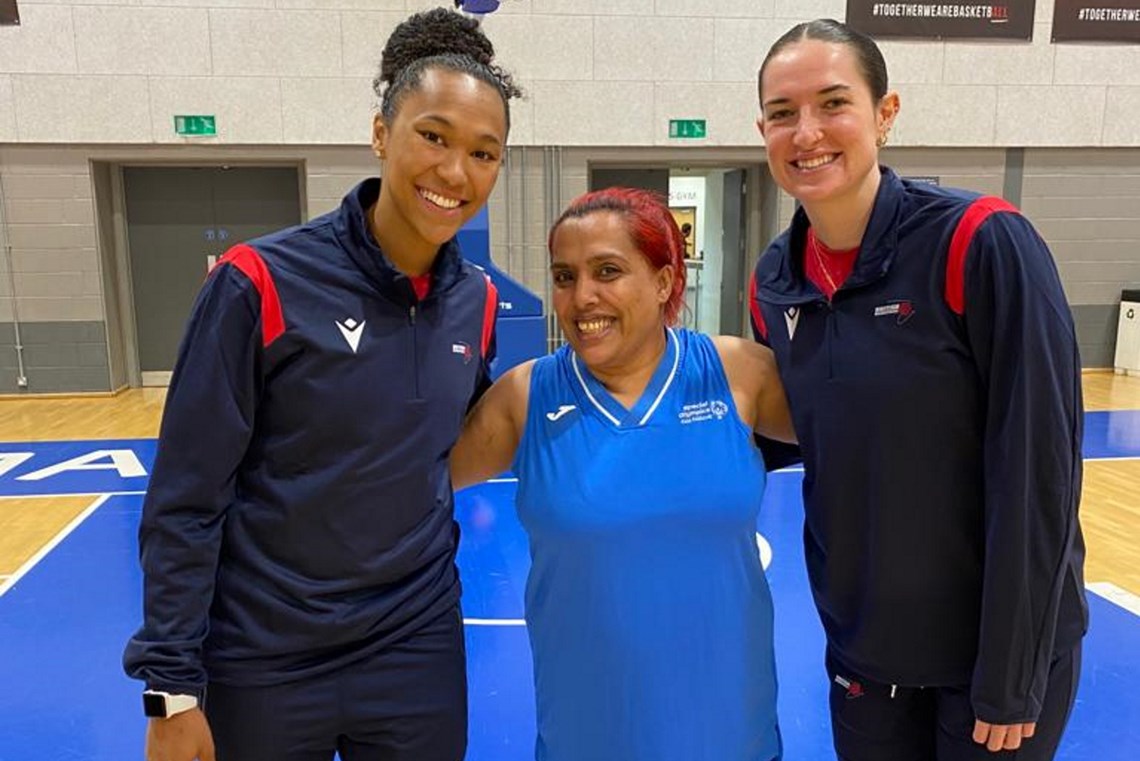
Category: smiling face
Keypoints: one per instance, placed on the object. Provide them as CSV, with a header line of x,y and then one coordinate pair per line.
x,y
609,299
441,153
821,123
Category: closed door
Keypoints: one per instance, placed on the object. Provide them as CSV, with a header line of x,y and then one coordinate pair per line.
x,y
179,220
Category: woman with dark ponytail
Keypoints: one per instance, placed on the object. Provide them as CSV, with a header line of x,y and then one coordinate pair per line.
x,y
931,366
298,543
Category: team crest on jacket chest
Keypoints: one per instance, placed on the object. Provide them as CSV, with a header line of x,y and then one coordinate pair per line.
x,y
901,309
463,349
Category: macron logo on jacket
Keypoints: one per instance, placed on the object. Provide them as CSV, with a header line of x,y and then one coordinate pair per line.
x,y
792,318
351,330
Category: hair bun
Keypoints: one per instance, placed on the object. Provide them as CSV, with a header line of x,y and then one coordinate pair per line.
x,y
433,33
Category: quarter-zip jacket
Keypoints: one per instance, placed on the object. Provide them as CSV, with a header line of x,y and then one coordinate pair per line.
x,y
941,450
300,511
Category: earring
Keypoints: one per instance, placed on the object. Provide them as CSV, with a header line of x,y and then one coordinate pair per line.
x,y
881,142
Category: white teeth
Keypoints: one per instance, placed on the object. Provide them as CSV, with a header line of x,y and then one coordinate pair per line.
x,y
818,161
594,326
438,200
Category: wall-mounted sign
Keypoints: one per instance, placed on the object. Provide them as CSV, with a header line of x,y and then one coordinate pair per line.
x,y
195,126
1008,19
691,128
1096,21
9,13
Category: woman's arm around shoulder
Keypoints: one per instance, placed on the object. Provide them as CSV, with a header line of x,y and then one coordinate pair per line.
x,y
492,430
756,387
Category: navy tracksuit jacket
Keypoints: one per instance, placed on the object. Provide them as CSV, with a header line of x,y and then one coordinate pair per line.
x,y
940,422
300,511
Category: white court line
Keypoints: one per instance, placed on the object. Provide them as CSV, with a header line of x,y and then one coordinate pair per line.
x,y
800,468
495,621
75,494
1116,595
31,562
502,481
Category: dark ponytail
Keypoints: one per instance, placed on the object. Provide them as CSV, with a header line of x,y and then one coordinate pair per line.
x,y
867,53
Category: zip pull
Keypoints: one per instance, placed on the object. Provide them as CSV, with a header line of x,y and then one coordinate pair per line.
x,y
412,314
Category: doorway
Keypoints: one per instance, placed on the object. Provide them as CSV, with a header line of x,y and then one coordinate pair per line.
x,y
179,220
710,206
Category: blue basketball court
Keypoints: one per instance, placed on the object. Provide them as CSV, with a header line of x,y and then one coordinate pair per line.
x,y
65,616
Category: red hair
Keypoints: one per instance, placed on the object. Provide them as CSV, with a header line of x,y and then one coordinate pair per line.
x,y
650,226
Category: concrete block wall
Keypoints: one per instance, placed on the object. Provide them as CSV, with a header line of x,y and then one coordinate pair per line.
x,y
1086,204
290,80
51,275
598,73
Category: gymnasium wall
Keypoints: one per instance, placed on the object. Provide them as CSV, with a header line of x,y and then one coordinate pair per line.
x,y
89,86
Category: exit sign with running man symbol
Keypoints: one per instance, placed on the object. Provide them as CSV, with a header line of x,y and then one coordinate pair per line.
x,y
687,128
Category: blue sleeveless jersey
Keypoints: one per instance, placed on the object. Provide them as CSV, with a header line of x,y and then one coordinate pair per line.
x,y
649,615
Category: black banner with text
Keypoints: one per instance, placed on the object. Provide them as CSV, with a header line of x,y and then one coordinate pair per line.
x,y
9,13
1096,21
1004,19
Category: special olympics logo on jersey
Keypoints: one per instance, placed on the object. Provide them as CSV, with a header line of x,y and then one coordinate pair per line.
x,y
702,412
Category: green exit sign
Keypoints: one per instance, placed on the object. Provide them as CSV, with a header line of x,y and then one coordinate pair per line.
x,y
195,125
687,128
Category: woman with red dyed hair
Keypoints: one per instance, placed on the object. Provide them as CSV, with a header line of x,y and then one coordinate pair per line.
x,y
649,616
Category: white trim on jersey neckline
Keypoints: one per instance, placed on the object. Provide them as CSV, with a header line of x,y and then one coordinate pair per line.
x,y
660,394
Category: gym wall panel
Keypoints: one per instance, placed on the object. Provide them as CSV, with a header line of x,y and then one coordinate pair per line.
x,y
734,122
176,41
92,109
1058,115
926,110
1122,116
654,49
276,43
361,35
1086,203
333,110
525,45
981,63
566,113
44,42
740,48
7,110
247,109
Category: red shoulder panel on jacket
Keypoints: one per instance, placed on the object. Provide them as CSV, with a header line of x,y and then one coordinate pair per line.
x,y
754,307
489,307
246,259
976,213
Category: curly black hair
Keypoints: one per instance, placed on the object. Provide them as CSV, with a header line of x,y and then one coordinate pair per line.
x,y
439,38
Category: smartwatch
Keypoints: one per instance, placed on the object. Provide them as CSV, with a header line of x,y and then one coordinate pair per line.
x,y
163,705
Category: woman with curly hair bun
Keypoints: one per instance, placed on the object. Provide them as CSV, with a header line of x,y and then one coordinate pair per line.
x,y
297,540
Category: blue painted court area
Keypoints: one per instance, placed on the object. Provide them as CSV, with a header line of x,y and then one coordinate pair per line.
x,y
63,695
1112,434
